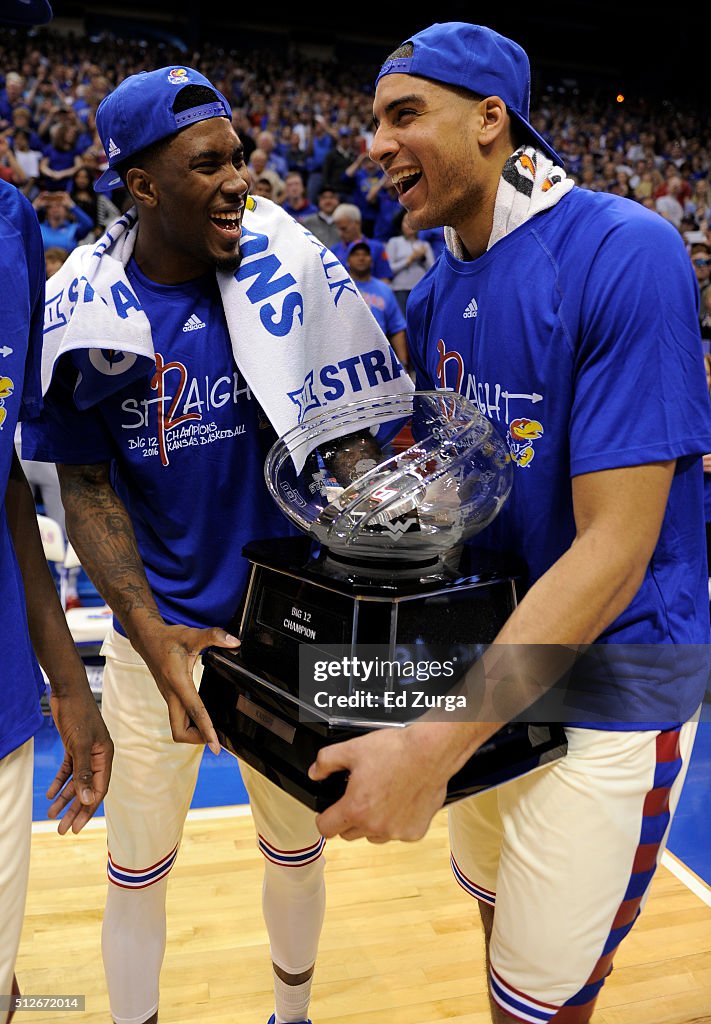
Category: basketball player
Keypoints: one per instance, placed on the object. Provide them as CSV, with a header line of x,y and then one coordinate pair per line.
x,y
570,318
32,622
162,482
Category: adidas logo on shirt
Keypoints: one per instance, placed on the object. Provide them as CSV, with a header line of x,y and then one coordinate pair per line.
x,y
471,310
193,323
114,150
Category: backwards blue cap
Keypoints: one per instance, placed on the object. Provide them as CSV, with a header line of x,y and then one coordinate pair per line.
x,y
139,112
473,57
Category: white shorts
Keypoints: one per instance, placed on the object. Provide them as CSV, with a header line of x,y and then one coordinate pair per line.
x,y
16,771
566,855
153,780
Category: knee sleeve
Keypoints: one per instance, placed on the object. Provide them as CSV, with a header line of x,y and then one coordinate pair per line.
x,y
133,945
294,903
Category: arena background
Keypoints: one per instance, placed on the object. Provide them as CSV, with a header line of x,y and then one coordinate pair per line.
x,y
623,47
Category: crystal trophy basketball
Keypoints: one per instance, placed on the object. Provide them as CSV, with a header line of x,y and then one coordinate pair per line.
x,y
385,495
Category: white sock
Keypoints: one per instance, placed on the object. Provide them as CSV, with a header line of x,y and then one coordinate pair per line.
x,y
294,903
133,943
292,1001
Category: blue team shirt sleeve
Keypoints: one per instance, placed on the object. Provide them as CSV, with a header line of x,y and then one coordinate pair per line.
x,y
639,390
22,297
62,433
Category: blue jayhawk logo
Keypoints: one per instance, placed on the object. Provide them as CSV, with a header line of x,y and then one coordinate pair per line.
x,y
305,398
7,387
520,437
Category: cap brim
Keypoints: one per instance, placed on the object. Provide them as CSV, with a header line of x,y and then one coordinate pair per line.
x,y
538,139
108,181
26,12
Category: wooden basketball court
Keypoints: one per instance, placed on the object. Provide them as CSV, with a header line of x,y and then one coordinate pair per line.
x,y
401,942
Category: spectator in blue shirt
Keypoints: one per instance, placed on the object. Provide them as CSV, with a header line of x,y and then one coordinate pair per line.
x,y
347,219
11,96
318,146
295,201
62,157
379,296
367,179
275,161
62,222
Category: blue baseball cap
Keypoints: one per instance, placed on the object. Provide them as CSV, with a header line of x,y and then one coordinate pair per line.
x,y
25,12
473,57
139,112
360,243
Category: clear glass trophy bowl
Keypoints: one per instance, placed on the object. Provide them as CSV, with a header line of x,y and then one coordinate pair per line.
x,y
398,481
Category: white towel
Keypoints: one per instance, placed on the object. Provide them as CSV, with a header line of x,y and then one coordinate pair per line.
x,y
297,322
530,182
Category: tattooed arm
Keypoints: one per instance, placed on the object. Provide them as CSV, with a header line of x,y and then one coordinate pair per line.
x,y
86,768
102,534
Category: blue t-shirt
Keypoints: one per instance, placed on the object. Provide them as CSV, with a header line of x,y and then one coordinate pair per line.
x,y
187,450
306,211
577,336
69,234
388,208
382,303
22,304
320,145
59,160
381,263
363,180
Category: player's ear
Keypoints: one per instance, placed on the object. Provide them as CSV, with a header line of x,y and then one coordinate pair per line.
x,y
493,119
142,186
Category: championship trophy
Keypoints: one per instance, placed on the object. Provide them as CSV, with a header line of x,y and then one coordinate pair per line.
x,y
370,615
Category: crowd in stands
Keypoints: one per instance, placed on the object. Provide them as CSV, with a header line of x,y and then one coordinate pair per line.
x,y
306,127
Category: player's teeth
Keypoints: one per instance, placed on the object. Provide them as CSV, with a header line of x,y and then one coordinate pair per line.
x,y
409,173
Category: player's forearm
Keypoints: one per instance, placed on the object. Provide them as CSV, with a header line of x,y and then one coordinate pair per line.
x,y
585,590
51,640
562,614
100,529
581,594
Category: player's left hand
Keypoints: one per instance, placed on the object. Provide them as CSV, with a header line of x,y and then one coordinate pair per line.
x,y
83,778
397,782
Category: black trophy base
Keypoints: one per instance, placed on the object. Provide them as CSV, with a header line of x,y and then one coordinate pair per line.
x,y
260,723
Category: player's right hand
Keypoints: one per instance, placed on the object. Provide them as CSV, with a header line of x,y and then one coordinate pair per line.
x,y
173,653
